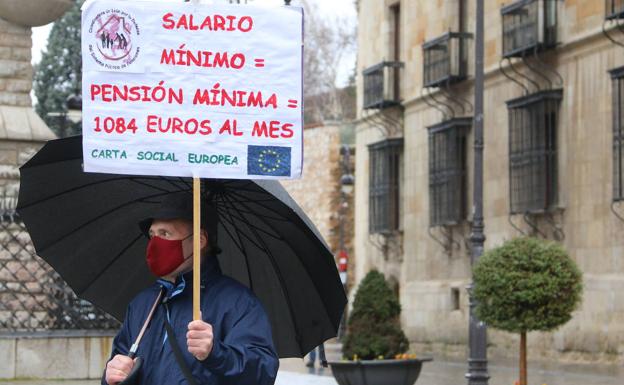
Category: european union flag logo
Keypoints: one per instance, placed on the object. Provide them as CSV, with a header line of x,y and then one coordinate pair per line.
x,y
268,160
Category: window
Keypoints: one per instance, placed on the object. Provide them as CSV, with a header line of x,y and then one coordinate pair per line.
x,y
384,181
533,151
617,76
382,82
529,25
445,59
395,22
614,9
455,303
380,85
447,171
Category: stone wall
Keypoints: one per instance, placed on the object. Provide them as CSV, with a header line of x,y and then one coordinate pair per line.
x,y
428,273
55,356
16,73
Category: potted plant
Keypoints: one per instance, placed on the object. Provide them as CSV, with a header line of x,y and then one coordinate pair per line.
x,y
375,345
526,284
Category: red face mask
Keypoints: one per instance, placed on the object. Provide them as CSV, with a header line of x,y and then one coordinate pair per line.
x,y
164,256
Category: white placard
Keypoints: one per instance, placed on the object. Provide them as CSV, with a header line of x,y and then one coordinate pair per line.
x,y
184,89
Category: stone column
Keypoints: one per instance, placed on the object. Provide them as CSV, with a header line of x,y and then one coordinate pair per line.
x,y
22,132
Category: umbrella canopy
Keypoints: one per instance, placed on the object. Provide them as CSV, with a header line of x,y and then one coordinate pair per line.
x,y
85,225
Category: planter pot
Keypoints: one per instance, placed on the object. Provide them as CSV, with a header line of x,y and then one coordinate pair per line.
x,y
377,372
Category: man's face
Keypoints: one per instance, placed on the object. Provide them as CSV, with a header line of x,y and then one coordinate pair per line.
x,y
173,230
176,229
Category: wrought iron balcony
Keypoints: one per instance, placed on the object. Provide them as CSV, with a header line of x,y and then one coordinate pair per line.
x,y
384,183
614,9
445,59
382,85
529,26
533,121
447,171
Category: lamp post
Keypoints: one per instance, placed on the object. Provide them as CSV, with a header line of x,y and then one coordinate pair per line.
x,y
347,181
477,333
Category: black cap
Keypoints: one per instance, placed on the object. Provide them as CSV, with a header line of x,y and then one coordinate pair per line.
x,y
179,205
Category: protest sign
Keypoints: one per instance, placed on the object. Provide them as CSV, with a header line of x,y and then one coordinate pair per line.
x,y
188,89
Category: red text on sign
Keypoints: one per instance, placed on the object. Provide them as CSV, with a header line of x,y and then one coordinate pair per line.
x,y
110,125
199,58
160,94
157,124
211,22
274,129
218,96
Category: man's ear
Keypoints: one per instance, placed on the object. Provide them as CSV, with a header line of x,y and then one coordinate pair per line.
x,y
203,239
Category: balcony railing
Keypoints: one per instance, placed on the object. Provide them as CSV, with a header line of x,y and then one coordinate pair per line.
x,y
614,9
533,121
384,184
528,26
382,85
447,171
445,59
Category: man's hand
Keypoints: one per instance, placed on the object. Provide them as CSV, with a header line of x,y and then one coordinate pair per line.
x,y
118,369
199,339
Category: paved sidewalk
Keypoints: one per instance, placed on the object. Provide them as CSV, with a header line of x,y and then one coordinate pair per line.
x,y
452,373
294,372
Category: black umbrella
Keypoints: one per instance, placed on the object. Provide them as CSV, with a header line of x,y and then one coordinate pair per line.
x,y
85,226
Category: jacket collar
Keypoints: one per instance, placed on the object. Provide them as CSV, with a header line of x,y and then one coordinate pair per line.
x,y
209,270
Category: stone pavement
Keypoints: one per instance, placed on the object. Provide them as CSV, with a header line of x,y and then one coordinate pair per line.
x,y
452,373
293,372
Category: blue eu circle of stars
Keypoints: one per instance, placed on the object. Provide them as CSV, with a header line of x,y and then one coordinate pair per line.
x,y
268,160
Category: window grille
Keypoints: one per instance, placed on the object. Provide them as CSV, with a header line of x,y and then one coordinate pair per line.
x,y
529,25
381,85
447,171
445,59
384,181
533,151
614,9
617,76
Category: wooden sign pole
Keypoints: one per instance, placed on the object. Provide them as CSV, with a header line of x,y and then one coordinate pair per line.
x,y
196,246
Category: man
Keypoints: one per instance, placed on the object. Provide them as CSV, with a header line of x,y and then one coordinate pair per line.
x,y
232,344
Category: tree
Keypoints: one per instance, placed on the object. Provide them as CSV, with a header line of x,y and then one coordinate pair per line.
x,y
374,328
328,40
59,73
524,285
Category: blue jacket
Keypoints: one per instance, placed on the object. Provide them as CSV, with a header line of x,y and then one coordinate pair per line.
x,y
242,352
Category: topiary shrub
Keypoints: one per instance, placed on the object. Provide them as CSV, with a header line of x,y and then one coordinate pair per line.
x,y
374,329
526,284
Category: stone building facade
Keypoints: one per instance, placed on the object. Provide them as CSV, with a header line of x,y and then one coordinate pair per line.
x,y
553,158
318,192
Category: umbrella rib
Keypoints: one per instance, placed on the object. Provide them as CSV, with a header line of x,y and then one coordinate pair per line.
x,y
245,235
264,215
88,185
243,219
135,180
184,183
97,218
71,190
242,249
265,248
282,218
113,260
322,300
